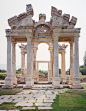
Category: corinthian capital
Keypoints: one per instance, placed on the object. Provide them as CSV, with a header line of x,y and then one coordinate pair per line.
x,y
55,36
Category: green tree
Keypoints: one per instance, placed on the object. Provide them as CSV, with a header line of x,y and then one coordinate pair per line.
x,y
18,71
59,71
84,59
83,70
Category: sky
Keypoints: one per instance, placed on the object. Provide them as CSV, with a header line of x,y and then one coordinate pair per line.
x,y
10,8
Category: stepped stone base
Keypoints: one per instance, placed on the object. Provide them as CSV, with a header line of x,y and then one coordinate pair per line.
x,y
7,87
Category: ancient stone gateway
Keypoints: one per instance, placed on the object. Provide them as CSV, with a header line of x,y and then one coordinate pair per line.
x,y
60,28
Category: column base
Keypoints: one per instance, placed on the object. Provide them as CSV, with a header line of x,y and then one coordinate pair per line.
x,y
32,81
70,80
7,87
76,83
29,83
64,80
8,83
35,79
22,79
51,79
14,80
56,82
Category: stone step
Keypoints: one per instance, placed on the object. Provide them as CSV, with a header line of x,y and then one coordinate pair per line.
x,y
28,108
43,104
44,107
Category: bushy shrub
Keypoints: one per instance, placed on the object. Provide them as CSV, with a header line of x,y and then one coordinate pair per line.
x,y
2,76
3,71
83,70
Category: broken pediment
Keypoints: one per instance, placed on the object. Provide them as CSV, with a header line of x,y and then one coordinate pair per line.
x,y
23,19
57,19
43,30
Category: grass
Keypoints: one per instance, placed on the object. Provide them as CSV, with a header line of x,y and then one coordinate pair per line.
x,y
81,76
8,92
72,100
84,85
8,106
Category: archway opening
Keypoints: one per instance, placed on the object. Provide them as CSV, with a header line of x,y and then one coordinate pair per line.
x,y
43,72
43,56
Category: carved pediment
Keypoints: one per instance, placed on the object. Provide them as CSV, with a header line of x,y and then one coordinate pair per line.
x,y
23,19
62,20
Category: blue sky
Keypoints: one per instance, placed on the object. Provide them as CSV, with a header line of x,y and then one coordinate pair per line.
x,y
10,8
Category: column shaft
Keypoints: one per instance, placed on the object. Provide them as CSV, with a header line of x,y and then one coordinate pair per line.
x,y
71,64
28,57
76,79
22,63
23,75
56,80
56,69
14,79
63,75
8,79
8,56
63,67
76,57
29,62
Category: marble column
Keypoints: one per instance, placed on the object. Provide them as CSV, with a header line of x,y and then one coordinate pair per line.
x,y
29,76
76,79
71,64
49,72
14,79
8,79
37,71
23,76
51,64
34,64
63,67
56,79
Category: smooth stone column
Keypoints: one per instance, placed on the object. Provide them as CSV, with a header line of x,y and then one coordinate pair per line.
x,y
23,75
49,72
63,67
34,64
8,79
71,64
51,64
76,79
37,72
14,79
56,80
29,76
